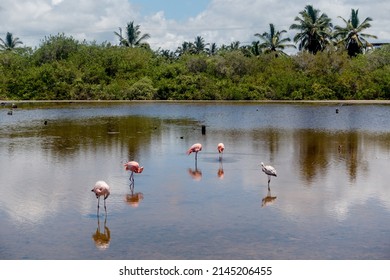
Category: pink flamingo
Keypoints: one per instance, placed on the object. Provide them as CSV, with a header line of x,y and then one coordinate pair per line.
x,y
134,167
221,148
195,149
101,188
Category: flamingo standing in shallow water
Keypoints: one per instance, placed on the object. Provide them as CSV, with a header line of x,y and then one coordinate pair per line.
x,y
101,188
221,148
195,149
269,170
134,167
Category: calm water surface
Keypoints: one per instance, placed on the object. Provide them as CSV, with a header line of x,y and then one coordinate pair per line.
x,y
331,199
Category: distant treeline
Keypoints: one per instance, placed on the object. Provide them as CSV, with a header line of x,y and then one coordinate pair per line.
x,y
64,69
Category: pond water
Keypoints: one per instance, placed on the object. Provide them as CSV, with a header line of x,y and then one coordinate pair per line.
x,y
330,200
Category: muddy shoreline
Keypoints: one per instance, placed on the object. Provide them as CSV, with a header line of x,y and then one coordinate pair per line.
x,y
331,102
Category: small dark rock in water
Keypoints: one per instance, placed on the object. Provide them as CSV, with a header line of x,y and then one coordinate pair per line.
x,y
10,112
337,111
45,122
181,137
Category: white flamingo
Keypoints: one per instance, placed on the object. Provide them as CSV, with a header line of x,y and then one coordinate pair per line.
x,y
269,170
101,188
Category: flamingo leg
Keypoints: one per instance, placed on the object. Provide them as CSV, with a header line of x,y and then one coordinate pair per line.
x,y
131,181
98,206
131,177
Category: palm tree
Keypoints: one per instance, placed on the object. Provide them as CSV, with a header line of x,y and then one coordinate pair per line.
x,y
255,48
185,48
273,42
314,30
199,45
133,37
212,50
166,53
10,42
234,46
355,41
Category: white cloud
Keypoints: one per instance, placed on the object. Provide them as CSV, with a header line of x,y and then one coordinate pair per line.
x,y
226,21
32,20
222,21
56,2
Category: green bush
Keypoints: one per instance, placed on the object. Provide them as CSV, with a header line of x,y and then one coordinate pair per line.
x,y
142,90
64,68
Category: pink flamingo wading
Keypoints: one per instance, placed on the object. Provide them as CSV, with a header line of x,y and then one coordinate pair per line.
x,y
195,149
101,188
221,148
134,167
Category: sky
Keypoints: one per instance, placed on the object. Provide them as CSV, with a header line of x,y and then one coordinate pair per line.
x,y
171,22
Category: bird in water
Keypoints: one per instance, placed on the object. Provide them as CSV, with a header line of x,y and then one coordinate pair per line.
x,y
195,149
269,170
221,148
101,188
134,167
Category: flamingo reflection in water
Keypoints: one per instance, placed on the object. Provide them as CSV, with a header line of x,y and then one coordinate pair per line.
x,y
102,239
220,173
268,199
134,199
134,167
196,173
101,188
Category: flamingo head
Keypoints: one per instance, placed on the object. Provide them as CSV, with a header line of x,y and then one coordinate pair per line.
x,y
140,169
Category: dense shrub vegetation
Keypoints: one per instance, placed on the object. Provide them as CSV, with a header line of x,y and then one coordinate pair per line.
x,y
63,68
